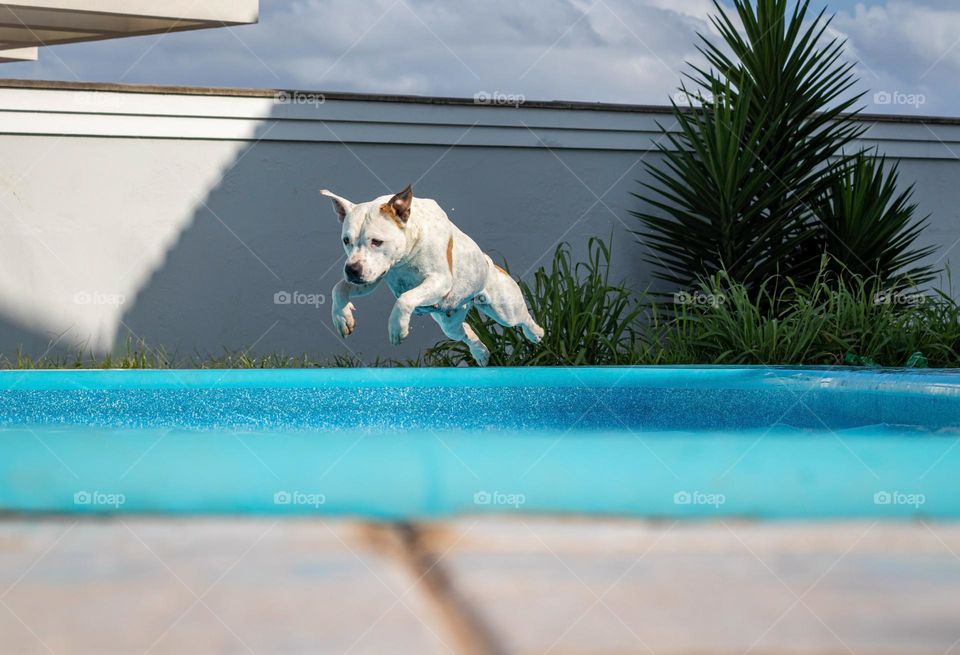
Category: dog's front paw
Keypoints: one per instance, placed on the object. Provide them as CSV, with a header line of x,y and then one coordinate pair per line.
x,y
343,320
480,354
399,326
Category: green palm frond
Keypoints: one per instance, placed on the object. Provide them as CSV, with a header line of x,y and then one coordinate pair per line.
x,y
746,180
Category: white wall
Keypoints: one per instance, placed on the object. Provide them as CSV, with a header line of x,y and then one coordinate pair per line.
x,y
176,215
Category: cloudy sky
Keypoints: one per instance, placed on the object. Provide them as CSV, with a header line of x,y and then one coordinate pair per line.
x,y
907,51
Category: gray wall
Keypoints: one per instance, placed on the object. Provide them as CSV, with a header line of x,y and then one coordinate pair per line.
x,y
175,216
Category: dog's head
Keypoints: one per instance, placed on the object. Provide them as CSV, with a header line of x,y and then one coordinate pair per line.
x,y
372,234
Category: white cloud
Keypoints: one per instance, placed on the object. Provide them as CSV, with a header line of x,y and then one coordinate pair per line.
x,y
906,48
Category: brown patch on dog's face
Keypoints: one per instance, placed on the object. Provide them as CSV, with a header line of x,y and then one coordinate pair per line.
x,y
450,254
398,207
401,203
388,210
501,270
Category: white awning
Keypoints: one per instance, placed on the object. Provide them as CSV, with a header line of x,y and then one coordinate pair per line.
x,y
27,24
18,54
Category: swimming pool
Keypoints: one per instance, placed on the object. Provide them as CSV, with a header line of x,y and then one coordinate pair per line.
x,y
419,443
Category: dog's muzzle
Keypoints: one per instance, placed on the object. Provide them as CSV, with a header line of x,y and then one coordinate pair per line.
x,y
354,273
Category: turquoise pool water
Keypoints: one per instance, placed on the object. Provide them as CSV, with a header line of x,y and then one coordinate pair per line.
x,y
408,443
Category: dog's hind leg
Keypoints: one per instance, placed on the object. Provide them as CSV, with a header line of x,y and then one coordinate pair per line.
x,y
456,327
531,330
503,301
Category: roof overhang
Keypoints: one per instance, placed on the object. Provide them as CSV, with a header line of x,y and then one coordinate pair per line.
x,y
27,24
18,54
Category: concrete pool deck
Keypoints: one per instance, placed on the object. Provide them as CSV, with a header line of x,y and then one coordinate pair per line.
x,y
159,585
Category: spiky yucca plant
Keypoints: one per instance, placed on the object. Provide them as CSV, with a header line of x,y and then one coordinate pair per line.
x,y
747,179
869,225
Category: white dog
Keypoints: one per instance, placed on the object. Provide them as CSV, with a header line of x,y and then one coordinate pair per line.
x,y
429,265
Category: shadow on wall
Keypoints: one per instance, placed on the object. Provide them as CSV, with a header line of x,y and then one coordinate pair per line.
x,y
226,245
253,266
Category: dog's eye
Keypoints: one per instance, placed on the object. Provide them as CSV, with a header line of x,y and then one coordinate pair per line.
x,y
346,241
376,243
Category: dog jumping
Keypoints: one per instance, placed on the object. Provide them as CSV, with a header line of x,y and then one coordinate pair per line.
x,y
430,266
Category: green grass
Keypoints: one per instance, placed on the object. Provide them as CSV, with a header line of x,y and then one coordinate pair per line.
x,y
139,355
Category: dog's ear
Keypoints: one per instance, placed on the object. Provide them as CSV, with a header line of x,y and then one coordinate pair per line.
x,y
401,202
342,205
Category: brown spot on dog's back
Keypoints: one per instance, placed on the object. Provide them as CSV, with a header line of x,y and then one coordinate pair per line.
x,y
450,254
501,270
388,209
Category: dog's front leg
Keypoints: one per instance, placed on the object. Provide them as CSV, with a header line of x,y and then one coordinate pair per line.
x,y
430,292
342,308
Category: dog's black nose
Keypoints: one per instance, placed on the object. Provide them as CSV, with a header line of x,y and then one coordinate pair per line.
x,y
354,271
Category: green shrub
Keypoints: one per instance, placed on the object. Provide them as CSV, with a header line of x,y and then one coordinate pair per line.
x,y
587,319
832,321
740,326
869,226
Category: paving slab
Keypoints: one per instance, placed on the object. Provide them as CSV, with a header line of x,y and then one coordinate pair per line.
x,y
631,587
161,585
172,586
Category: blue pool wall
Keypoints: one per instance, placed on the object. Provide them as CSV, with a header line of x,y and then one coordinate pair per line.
x,y
672,442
